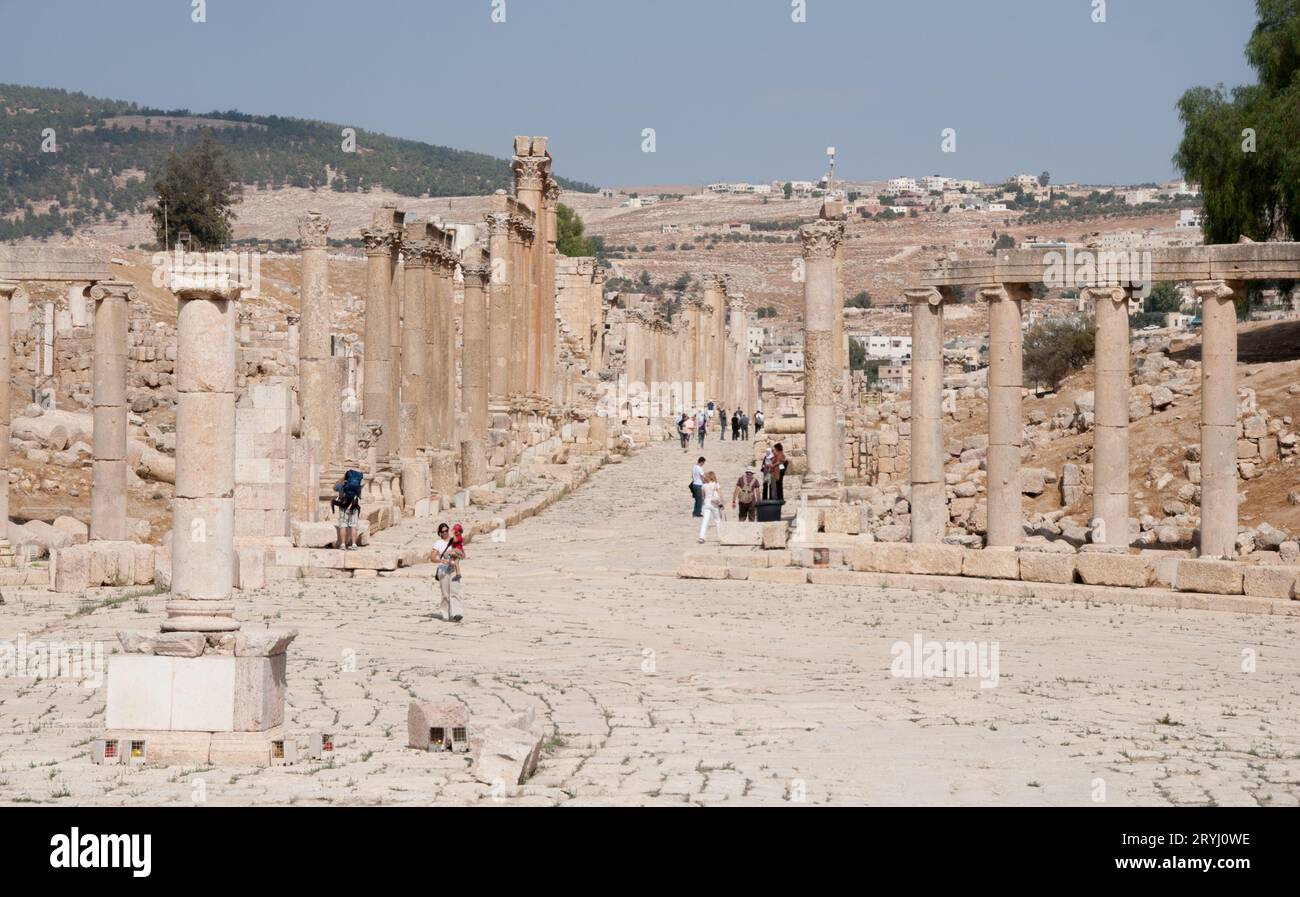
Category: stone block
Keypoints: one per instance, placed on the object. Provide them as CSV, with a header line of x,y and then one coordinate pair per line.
x,y
1101,568
372,557
780,575
143,563
991,563
1270,582
178,644
1210,576
70,569
701,571
251,573
1042,566
203,694
248,748
736,533
139,692
422,716
775,535
904,557
266,642
260,685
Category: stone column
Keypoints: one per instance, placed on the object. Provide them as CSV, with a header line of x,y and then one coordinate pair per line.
x,y
499,343
417,254
1006,426
7,290
929,492
1110,453
550,341
396,287
822,481
108,490
203,512
1218,419
519,311
319,391
442,375
474,367
715,300
376,368
739,352
531,167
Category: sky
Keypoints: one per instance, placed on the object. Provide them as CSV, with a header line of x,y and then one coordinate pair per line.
x,y
733,89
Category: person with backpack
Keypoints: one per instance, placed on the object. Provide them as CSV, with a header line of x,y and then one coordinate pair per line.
x,y
748,491
348,503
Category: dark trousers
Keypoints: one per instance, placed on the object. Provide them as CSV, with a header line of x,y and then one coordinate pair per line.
x,y
698,492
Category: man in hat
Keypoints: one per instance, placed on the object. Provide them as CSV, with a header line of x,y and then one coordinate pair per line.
x,y
749,489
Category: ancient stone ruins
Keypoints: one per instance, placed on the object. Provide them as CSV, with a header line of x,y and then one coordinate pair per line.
x,y
486,359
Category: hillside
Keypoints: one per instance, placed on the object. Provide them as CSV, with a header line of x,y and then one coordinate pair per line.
x,y
107,151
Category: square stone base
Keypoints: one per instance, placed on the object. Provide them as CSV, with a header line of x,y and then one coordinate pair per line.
x,y
196,749
222,694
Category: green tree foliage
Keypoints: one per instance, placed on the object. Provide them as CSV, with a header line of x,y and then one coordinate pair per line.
x,y
861,300
1056,347
568,238
788,189
1243,146
196,189
857,356
1006,241
1163,299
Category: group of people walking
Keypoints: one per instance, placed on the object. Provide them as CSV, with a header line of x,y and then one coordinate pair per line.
x,y
753,486
697,425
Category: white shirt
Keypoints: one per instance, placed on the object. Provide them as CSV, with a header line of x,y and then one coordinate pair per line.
x,y
439,547
712,495
697,475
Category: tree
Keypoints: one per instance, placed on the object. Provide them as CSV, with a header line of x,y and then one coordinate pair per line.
x,y
196,190
788,189
1044,179
861,300
1244,147
1056,347
1163,299
568,233
1006,241
857,356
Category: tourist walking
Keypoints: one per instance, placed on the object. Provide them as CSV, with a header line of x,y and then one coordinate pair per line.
x,y
744,426
749,488
722,424
758,422
712,505
735,426
702,427
690,428
446,556
681,431
697,486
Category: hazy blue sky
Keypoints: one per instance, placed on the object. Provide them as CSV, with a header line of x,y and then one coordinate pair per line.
x,y
733,88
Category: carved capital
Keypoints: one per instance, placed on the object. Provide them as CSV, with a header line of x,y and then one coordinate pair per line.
x,y
498,223
379,242
1101,294
923,296
712,280
1212,289
821,239
995,293
551,193
314,230
114,289
418,253
530,172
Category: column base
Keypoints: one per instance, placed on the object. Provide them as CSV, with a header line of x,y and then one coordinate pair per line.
x,y
822,490
146,747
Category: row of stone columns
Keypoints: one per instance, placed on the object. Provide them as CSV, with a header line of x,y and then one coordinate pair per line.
x,y
1111,487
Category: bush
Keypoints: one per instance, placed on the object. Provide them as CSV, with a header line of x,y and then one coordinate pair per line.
x,y
1056,348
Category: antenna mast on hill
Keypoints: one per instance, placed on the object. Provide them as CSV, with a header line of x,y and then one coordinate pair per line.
x,y
830,178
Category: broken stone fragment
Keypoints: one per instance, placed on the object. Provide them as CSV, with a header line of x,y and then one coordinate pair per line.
x,y
179,644
264,642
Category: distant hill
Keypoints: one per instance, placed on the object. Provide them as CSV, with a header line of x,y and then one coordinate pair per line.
x,y
109,150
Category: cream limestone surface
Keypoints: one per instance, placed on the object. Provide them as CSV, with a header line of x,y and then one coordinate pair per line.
x,y
659,690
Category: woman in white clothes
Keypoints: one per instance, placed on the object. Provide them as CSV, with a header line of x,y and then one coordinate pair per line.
x,y
712,505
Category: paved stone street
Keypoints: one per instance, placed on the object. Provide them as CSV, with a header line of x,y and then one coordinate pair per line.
x,y
661,690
